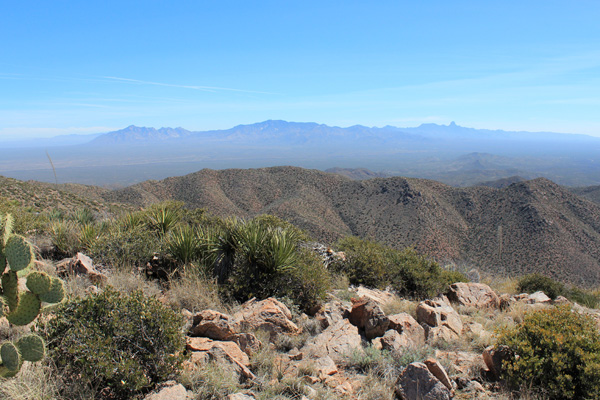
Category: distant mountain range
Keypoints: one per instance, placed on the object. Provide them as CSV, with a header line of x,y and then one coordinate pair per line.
x,y
451,154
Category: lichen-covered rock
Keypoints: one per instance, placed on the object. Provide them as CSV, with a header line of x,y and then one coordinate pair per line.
x,y
367,315
205,349
332,312
169,391
473,294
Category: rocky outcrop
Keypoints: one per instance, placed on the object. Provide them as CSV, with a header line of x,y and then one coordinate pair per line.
x,y
269,315
337,341
473,295
368,317
440,320
213,325
205,349
405,324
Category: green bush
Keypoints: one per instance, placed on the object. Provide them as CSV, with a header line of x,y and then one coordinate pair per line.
x,y
367,263
556,352
125,343
536,282
407,272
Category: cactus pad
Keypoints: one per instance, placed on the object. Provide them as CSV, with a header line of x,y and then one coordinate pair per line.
x,y
27,310
39,282
6,224
10,288
3,307
10,356
19,253
56,292
31,347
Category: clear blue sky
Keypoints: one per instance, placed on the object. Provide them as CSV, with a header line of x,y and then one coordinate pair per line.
x,y
93,66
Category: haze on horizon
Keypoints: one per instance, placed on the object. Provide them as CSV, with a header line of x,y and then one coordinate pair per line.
x,y
90,67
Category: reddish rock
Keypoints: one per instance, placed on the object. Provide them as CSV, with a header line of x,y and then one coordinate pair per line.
x,y
170,390
474,295
439,372
269,315
439,320
367,315
80,265
204,349
213,325
416,382
337,341
494,357
405,324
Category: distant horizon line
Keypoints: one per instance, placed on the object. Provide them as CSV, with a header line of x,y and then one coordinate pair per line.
x,y
73,130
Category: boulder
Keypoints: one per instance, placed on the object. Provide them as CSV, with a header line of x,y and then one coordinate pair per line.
x,y
494,357
325,366
472,294
269,315
247,342
439,320
416,382
405,324
332,312
380,297
213,325
170,390
394,341
205,349
463,362
538,298
337,341
439,372
367,315
80,265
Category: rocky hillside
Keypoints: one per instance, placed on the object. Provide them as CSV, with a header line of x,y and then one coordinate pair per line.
x,y
528,226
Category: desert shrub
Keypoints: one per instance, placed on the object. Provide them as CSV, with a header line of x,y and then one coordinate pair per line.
x,y
125,343
367,263
536,282
195,291
586,298
557,353
118,246
306,283
406,271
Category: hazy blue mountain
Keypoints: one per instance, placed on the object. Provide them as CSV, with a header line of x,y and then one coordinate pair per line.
x,y
452,154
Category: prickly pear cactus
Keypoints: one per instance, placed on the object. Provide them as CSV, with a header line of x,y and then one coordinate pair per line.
x,y
21,307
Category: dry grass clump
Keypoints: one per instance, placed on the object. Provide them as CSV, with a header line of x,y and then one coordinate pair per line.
x,y
194,291
35,381
398,306
211,381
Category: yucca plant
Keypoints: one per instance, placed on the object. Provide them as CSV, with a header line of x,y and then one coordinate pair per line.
x,y
164,218
83,216
132,220
64,237
183,245
88,234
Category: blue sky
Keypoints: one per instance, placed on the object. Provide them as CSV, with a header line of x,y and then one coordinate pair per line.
x,y
93,66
